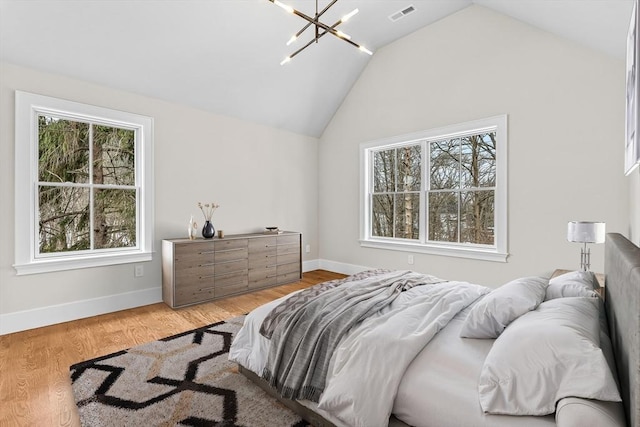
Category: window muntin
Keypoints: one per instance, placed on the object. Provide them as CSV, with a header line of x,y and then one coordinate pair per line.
x,y
457,200
84,185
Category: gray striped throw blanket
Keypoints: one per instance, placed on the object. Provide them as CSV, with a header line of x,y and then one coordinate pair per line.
x,y
306,334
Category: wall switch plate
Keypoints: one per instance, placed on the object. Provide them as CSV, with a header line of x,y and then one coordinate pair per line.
x,y
307,248
410,260
138,270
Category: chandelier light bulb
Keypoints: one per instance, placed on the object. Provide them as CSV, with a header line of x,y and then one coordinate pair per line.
x,y
284,6
292,39
343,35
285,60
346,17
365,50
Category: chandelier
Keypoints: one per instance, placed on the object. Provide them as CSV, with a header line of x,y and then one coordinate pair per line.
x,y
320,28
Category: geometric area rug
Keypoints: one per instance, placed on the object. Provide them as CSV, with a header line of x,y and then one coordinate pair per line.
x,y
185,379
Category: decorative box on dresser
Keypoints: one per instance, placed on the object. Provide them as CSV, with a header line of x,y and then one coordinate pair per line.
x,y
194,271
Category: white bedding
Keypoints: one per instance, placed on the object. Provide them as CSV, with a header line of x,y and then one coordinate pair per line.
x,y
365,396
440,387
423,385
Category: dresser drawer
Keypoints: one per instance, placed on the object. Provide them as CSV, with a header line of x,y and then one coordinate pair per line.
x,y
289,240
293,267
288,249
231,267
289,259
256,262
266,244
194,294
288,278
232,280
231,255
262,273
264,282
231,285
193,254
196,273
222,244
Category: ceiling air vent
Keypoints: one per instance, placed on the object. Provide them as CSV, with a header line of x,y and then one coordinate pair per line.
x,y
402,13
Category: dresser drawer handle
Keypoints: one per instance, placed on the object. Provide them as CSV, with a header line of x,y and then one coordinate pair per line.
x,y
207,252
207,264
208,288
207,277
271,276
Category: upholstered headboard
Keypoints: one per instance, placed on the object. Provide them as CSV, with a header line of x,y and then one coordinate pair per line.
x,y
622,302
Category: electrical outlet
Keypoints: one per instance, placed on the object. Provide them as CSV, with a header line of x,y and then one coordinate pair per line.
x,y
410,260
307,248
138,270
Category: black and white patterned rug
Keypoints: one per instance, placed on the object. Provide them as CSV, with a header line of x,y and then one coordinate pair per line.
x,y
185,379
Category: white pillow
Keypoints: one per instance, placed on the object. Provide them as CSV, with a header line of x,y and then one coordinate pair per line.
x,y
490,315
573,284
544,356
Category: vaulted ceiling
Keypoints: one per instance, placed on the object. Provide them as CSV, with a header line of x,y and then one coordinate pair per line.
x,y
224,55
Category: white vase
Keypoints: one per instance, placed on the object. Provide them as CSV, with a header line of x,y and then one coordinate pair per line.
x,y
192,230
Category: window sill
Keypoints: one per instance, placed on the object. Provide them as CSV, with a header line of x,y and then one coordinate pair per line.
x,y
73,263
451,251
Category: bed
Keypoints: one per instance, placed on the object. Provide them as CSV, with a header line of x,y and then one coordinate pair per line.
x,y
448,369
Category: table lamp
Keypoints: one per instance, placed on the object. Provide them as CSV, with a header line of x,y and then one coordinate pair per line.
x,y
585,232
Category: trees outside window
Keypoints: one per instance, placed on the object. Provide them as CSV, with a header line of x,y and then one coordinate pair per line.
x,y
440,191
86,186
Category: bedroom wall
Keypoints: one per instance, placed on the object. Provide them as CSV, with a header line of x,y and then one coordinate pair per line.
x,y
260,176
565,106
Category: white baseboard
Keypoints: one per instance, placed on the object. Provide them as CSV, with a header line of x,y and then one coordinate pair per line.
x,y
310,265
341,267
45,316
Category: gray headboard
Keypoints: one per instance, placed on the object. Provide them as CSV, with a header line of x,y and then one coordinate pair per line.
x,y
622,302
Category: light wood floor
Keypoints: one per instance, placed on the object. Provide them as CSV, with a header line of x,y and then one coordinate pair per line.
x,y
35,389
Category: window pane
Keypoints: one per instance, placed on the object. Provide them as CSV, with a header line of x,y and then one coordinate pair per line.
x,y
114,221
64,219
63,150
409,168
478,161
444,166
384,171
113,156
443,217
408,216
382,215
477,213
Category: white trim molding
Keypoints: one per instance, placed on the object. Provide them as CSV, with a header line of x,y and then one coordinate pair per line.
x,y
496,252
28,260
53,314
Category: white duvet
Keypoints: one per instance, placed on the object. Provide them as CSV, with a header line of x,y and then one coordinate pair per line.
x,y
370,361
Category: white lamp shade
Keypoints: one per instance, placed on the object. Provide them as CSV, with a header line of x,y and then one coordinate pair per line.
x,y
586,232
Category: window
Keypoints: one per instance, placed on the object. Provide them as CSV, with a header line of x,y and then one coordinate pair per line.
x,y
83,185
441,191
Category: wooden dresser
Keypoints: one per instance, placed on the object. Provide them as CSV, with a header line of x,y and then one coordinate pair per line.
x,y
194,271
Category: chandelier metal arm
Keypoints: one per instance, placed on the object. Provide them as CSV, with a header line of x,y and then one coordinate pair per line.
x,y
299,33
314,40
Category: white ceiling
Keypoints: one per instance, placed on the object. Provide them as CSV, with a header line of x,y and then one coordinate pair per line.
x,y
224,55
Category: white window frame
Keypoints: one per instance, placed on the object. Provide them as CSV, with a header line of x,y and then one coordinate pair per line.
x,y
497,252
28,107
